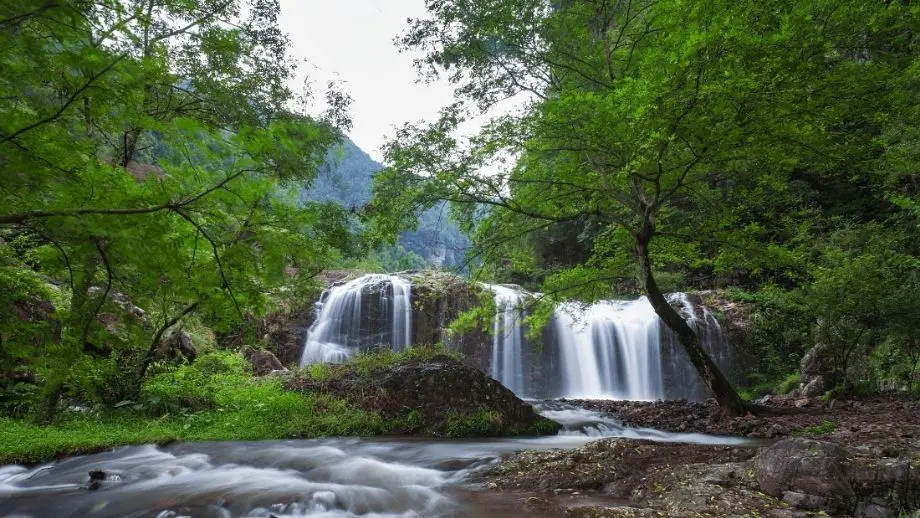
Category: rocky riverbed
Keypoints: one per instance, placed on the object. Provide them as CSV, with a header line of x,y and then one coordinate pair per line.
x,y
854,458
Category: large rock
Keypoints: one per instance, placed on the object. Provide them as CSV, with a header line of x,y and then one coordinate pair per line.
x,y
806,473
282,332
262,362
818,373
439,397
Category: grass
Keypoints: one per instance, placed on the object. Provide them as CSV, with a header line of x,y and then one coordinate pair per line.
x,y
212,399
283,415
215,399
789,383
366,363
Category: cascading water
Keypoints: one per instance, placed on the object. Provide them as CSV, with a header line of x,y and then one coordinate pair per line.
x,y
369,311
681,378
508,339
622,350
609,350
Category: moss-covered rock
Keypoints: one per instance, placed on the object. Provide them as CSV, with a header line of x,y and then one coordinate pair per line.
x,y
439,396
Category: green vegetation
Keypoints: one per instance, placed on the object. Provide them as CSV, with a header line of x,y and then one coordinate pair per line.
x,y
770,148
481,423
162,187
215,398
211,399
152,154
826,427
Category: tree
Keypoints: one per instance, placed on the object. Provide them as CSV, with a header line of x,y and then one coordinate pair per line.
x,y
153,148
649,121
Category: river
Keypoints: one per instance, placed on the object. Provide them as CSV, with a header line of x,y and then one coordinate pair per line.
x,y
334,478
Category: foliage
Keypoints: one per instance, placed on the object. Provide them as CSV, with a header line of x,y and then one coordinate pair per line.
x,y
152,152
865,297
257,412
706,143
789,383
196,386
779,332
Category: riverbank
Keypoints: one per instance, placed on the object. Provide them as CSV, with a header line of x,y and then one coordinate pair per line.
x,y
417,392
848,458
880,420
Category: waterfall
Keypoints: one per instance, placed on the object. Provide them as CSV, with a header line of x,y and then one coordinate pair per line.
x,y
622,350
508,339
681,378
610,349
366,312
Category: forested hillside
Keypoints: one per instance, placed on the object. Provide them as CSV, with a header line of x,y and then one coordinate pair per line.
x,y
347,179
768,149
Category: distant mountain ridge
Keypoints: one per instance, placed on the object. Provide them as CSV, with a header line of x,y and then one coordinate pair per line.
x,y
347,178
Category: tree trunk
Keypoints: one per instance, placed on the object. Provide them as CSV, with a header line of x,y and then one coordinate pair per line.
x,y
725,394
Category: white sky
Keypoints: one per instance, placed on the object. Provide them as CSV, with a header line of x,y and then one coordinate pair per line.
x,y
352,41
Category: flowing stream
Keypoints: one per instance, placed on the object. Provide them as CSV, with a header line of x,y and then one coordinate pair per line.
x,y
319,478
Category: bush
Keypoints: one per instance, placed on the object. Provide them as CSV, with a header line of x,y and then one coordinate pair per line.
x,y
790,383
196,386
17,399
780,331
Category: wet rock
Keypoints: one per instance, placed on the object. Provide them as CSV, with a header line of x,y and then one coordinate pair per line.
x,y
262,362
806,473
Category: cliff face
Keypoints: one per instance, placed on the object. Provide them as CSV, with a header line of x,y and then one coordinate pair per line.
x,y
723,329
438,298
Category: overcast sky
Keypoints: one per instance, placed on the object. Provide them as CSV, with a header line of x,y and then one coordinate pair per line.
x,y
352,41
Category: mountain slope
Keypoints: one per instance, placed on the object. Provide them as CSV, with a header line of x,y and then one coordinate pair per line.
x,y
347,178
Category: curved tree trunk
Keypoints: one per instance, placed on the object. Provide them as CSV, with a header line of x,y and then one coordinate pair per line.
x,y
729,400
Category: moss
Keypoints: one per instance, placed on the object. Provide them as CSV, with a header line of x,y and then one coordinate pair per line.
x,y
480,423
366,363
826,427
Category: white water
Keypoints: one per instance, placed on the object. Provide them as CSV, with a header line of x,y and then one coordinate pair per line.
x,y
508,338
329,478
610,349
341,328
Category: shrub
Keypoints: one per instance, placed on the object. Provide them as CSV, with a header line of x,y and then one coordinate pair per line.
x,y
196,386
790,383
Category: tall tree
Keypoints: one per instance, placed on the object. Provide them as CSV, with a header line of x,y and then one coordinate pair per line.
x,y
153,148
650,122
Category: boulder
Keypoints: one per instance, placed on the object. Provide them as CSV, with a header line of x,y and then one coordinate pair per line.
x,y
263,362
436,397
185,346
806,473
818,373
814,388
